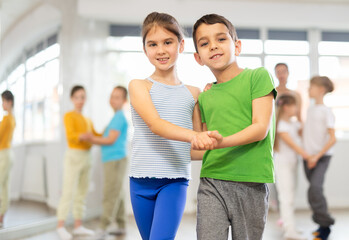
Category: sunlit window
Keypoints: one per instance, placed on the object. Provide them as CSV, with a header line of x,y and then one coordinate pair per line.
x,y
34,83
334,63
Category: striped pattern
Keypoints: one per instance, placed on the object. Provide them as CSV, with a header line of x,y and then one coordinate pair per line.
x,y
152,155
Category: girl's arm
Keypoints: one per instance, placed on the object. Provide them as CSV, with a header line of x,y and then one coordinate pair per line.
x,y
262,112
289,141
312,161
142,103
199,154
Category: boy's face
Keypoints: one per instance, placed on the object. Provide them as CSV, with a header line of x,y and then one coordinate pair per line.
x,y
216,48
117,99
316,91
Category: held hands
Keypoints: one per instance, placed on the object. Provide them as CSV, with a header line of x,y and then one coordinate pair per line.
x,y
312,161
206,140
86,137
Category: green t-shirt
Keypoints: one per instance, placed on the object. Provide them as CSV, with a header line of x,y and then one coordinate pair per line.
x,y
227,107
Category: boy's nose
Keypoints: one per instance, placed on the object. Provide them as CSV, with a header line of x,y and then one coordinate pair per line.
x,y
213,47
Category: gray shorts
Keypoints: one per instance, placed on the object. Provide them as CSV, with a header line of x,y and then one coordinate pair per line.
x,y
241,205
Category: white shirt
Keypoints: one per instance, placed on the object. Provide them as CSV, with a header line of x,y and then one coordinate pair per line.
x,y
315,134
292,128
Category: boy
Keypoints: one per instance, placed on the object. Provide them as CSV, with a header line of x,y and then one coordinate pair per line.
x,y
233,190
114,160
7,126
319,138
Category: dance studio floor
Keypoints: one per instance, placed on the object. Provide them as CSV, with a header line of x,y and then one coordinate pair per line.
x,y
187,228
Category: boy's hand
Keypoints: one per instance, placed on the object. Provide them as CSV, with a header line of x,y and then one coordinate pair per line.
x,y
216,135
312,161
208,87
206,140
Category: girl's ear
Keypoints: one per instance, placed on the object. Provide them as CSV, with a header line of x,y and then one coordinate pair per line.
x,y
198,59
237,47
181,46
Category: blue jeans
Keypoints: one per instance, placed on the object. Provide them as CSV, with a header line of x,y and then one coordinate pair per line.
x,y
158,206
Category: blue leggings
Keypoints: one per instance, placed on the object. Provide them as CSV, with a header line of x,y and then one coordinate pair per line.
x,y
158,206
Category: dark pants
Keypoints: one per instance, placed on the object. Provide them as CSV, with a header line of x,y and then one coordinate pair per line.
x,y
316,198
241,205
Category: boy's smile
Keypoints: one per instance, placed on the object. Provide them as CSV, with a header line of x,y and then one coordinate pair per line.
x,y
216,48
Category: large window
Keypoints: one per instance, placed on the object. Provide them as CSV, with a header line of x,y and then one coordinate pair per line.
x,y
334,63
34,83
273,46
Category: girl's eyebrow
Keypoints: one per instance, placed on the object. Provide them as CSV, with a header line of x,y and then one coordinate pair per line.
x,y
153,41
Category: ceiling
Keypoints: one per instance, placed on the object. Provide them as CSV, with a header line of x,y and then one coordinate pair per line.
x,y
12,11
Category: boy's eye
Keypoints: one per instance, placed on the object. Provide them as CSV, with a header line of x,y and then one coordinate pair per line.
x,y
203,44
221,39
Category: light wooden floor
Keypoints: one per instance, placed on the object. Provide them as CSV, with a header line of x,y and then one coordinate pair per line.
x,y
340,230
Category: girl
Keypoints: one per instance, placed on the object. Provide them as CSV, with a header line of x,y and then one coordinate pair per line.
x,y
319,138
7,126
163,110
286,163
76,166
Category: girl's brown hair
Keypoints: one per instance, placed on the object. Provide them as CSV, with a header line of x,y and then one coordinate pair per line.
x,y
324,82
283,100
162,20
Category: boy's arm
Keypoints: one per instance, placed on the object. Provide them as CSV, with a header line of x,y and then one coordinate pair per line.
x,y
262,112
312,161
289,141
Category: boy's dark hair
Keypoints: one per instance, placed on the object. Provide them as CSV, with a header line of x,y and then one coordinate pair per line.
x,y
123,89
162,20
281,64
8,96
75,89
211,19
324,82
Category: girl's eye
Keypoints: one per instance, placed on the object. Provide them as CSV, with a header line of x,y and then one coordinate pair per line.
x,y
168,42
152,45
203,44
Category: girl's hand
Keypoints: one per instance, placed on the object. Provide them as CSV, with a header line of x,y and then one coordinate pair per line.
x,y
206,140
86,137
208,87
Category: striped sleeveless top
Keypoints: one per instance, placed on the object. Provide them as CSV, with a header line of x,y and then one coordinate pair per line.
x,y
154,156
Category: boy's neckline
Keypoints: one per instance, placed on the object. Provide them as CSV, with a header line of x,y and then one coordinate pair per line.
x,y
216,84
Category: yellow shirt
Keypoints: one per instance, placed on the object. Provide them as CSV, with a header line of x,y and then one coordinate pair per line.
x,y
7,126
76,124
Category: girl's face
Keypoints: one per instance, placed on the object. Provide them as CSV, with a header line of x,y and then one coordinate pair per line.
x,y
6,105
290,110
162,48
79,99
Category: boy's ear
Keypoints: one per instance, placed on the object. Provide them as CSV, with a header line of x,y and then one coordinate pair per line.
x,y
237,47
181,46
198,59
